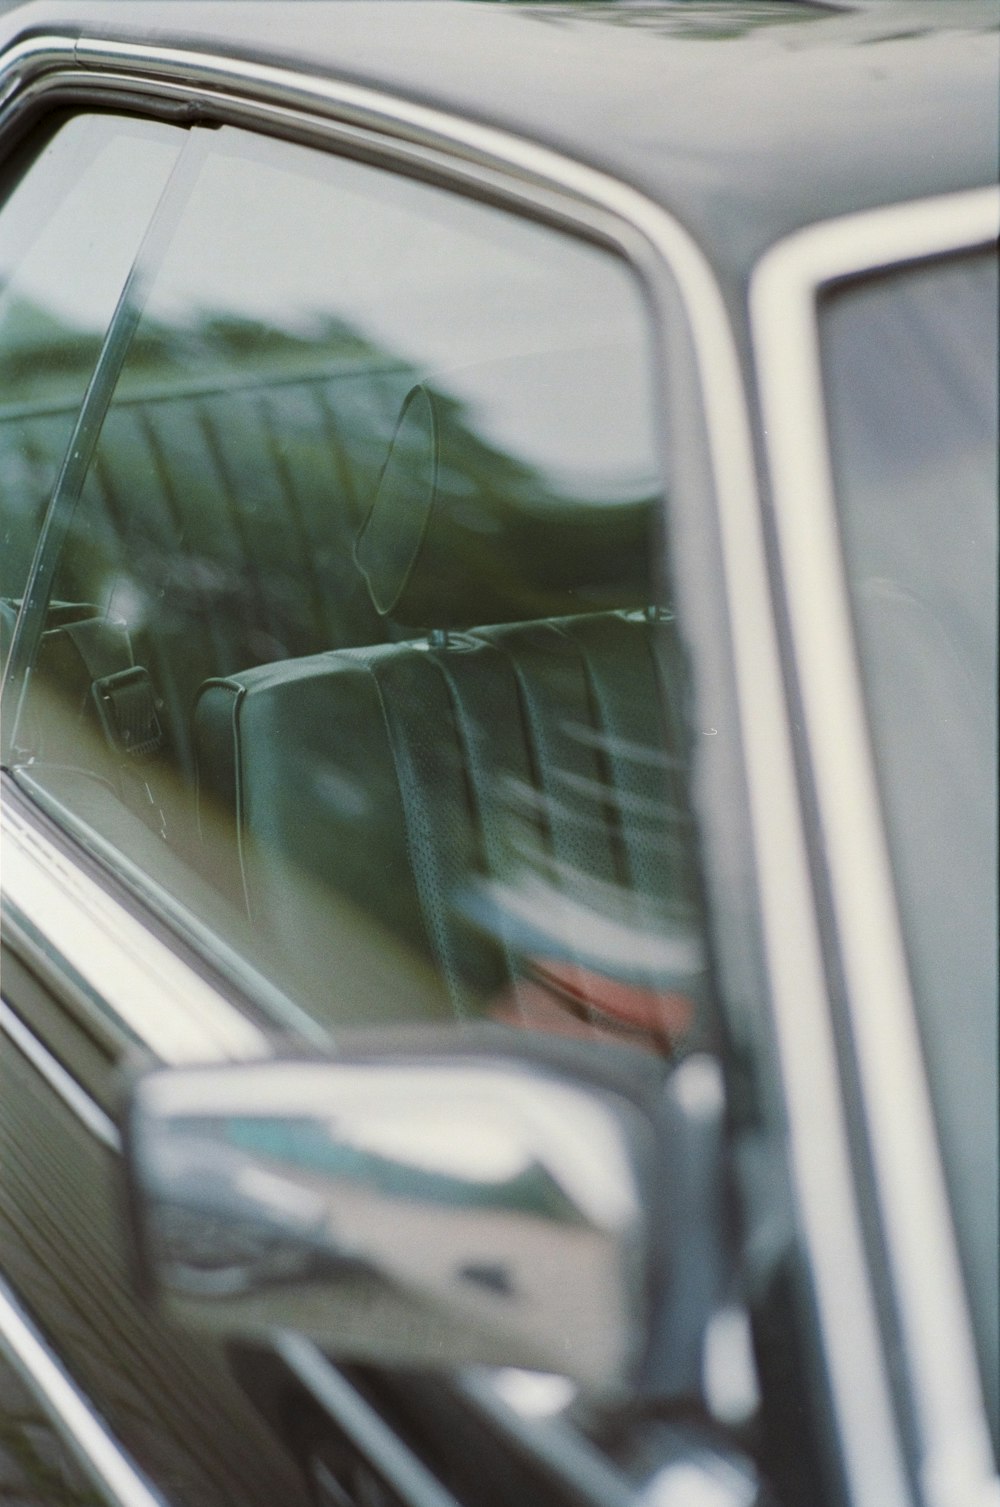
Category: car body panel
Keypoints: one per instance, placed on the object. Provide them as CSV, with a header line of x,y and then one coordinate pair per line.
x,y
745,131
713,159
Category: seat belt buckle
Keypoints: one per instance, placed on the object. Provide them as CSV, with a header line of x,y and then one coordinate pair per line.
x,y
126,707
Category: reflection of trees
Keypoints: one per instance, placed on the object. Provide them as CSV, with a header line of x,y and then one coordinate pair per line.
x,y
236,465
231,350
504,542
41,357
44,367
219,512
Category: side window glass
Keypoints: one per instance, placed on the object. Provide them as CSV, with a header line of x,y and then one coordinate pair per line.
x,y
70,227
372,664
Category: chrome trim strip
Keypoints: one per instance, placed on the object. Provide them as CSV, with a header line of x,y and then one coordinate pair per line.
x,y
161,1000
313,119
374,1440
820,1160
63,1083
117,1480
27,60
374,110
284,1016
555,1443
956,1468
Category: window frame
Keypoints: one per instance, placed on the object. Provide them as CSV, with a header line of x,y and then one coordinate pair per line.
x,y
938,1379
547,203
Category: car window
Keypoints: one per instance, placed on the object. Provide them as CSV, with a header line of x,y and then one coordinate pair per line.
x,y
913,415
352,629
72,219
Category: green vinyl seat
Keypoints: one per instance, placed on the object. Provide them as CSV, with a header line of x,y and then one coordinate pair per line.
x,y
502,805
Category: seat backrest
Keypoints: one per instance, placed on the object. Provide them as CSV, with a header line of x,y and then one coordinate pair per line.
x,y
505,802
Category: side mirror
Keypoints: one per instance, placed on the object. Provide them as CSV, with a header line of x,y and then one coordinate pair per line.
x,y
438,1208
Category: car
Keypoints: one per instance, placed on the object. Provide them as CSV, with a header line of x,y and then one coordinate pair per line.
x,y
498,594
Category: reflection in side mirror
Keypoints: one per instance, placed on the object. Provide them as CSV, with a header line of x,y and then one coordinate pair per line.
x,y
418,1208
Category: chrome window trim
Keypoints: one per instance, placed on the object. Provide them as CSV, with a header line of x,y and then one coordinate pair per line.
x,y
161,1000
167,98
589,199
65,1086
26,61
118,1481
561,1446
377,1443
956,1465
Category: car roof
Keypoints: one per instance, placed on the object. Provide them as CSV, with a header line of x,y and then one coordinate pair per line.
x,y
747,119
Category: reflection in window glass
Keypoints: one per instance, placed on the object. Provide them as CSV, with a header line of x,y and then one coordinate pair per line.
x,y
911,367
368,660
68,234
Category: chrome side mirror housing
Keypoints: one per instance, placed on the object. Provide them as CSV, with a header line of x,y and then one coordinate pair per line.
x,y
435,1208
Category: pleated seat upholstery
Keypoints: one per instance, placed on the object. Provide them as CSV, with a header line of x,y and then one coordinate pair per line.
x,y
503,802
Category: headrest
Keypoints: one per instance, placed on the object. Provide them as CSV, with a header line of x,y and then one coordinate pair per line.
x,y
462,532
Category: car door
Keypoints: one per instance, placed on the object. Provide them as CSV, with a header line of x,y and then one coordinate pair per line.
x,y
203,506
346,689
143,1408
